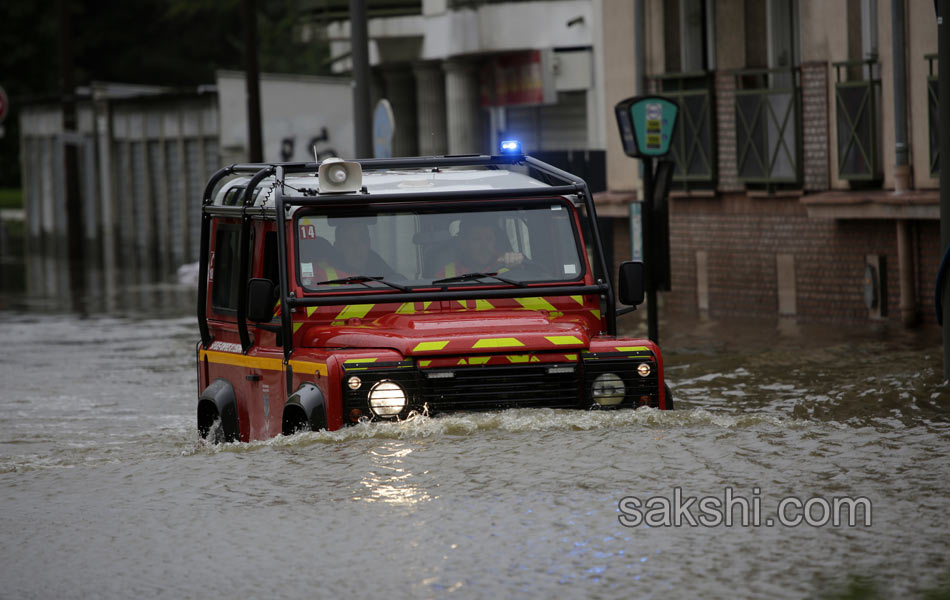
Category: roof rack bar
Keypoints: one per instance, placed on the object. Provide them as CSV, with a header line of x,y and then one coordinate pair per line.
x,y
286,328
610,313
245,254
535,192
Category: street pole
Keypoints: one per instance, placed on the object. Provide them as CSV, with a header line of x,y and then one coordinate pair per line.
x,y
943,93
252,80
72,192
359,54
648,219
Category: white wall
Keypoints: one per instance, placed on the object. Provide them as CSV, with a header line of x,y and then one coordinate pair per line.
x,y
293,107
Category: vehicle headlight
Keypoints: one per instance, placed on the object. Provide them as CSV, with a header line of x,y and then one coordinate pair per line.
x,y
608,389
387,398
644,370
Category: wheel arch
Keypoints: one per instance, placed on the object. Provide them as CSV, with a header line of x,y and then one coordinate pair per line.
x,y
305,409
218,401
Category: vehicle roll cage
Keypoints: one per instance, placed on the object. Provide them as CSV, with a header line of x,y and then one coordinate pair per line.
x,y
567,184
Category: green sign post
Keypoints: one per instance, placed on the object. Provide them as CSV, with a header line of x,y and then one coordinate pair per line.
x,y
646,127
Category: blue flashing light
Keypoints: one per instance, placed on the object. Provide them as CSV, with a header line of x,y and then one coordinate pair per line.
x,y
511,147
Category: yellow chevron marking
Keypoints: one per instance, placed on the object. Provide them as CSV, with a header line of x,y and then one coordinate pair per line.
x,y
461,362
425,305
478,360
483,305
535,304
578,299
355,311
570,356
408,308
311,310
297,326
631,348
430,346
425,363
498,343
518,358
595,312
561,340
359,360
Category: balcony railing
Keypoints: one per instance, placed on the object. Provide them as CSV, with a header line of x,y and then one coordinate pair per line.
x,y
857,98
768,140
933,115
693,147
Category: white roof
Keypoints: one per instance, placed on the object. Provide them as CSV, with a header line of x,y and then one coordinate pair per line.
x,y
405,181
446,180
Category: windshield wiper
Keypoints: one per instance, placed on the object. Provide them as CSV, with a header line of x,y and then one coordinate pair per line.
x,y
364,279
474,276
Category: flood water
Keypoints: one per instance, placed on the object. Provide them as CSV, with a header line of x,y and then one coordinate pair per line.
x,y
106,490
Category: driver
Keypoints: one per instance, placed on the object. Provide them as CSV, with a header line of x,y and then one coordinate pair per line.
x,y
478,250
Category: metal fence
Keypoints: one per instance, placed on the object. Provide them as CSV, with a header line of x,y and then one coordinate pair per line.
x,y
143,162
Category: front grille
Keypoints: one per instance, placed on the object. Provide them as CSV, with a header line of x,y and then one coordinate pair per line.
x,y
636,386
506,386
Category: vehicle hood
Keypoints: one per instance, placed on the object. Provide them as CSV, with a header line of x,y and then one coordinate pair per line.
x,y
458,333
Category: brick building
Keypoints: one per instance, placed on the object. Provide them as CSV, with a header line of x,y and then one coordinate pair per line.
x,y
797,192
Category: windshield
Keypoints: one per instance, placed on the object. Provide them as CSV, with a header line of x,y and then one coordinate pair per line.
x,y
419,247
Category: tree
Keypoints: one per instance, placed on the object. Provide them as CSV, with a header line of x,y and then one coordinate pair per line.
x,y
157,42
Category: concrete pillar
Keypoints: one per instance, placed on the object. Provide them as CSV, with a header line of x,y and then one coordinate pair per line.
x,y
905,257
401,93
430,109
463,110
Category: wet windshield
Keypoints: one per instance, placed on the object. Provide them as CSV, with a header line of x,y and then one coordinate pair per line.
x,y
536,243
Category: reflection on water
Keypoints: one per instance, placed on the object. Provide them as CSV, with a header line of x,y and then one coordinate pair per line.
x,y
44,278
391,481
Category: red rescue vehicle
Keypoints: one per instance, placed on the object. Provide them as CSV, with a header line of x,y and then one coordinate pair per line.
x,y
340,292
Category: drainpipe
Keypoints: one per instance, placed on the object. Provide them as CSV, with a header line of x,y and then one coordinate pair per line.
x,y
902,169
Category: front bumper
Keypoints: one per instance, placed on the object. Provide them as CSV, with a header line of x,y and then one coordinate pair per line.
x,y
531,383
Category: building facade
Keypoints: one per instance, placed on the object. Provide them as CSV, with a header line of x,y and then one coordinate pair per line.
x,y
461,75
806,180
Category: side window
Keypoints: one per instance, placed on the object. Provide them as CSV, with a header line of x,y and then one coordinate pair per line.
x,y
224,290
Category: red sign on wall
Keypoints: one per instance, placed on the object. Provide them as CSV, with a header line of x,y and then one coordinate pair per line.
x,y
519,79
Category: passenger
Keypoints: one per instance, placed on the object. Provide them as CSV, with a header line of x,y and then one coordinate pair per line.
x,y
479,249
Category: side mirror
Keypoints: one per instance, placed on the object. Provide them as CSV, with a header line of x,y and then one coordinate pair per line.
x,y
260,300
631,283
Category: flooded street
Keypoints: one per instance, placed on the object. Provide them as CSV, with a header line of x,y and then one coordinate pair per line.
x,y
106,490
